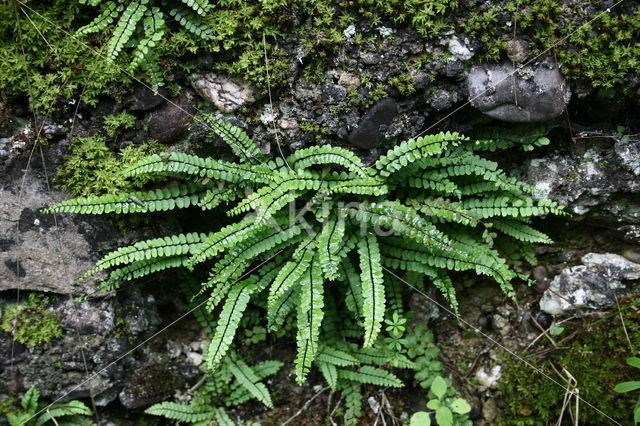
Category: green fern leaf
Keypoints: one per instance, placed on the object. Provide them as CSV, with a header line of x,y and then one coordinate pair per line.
x,y
237,139
327,154
520,231
180,412
329,246
337,357
132,14
353,403
414,149
329,372
353,298
372,285
110,11
192,22
154,28
250,381
310,315
371,375
232,311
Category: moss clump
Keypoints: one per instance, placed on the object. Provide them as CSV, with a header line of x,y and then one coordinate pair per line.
x,y
113,124
595,357
31,323
92,169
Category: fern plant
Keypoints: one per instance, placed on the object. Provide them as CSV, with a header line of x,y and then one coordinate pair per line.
x,y
320,231
141,24
34,412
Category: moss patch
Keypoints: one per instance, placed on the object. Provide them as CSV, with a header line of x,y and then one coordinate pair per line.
x,y
595,357
92,169
31,323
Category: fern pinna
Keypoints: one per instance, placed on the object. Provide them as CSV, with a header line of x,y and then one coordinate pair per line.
x,y
320,231
141,24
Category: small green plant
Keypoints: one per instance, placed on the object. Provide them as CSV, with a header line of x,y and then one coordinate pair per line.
x,y
31,323
322,234
448,410
631,386
93,169
116,123
33,412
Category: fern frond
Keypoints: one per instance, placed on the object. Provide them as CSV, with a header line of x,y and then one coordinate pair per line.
x,y
329,372
201,7
282,308
371,375
214,197
132,14
226,237
327,154
447,211
414,149
232,311
175,245
222,418
310,315
163,199
364,186
239,394
372,284
140,269
153,25
110,11
329,246
353,298
250,381
180,412
520,231
70,408
288,277
337,357
402,220
237,140
352,393
192,22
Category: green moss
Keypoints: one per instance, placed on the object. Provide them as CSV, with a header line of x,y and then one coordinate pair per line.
x,y
40,60
93,169
404,84
595,357
113,124
31,323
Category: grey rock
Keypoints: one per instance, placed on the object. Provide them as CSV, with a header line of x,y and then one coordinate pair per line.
x,y
169,122
42,251
87,317
594,284
599,180
458,48
227,94
90,343
372,125
520,95
443,99
333,94
149,384
144,99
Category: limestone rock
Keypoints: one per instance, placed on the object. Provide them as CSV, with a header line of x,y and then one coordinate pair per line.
x,y
373,123
594,284
227,94
41,251
529,94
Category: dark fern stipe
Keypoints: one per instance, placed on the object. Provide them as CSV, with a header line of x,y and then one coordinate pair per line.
x,y
430,206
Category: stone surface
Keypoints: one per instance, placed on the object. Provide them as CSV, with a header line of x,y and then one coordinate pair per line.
x,y
373,124
226,93
144,99
169,122
595,284
91,343
458,48
528,94
599,180
41,251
